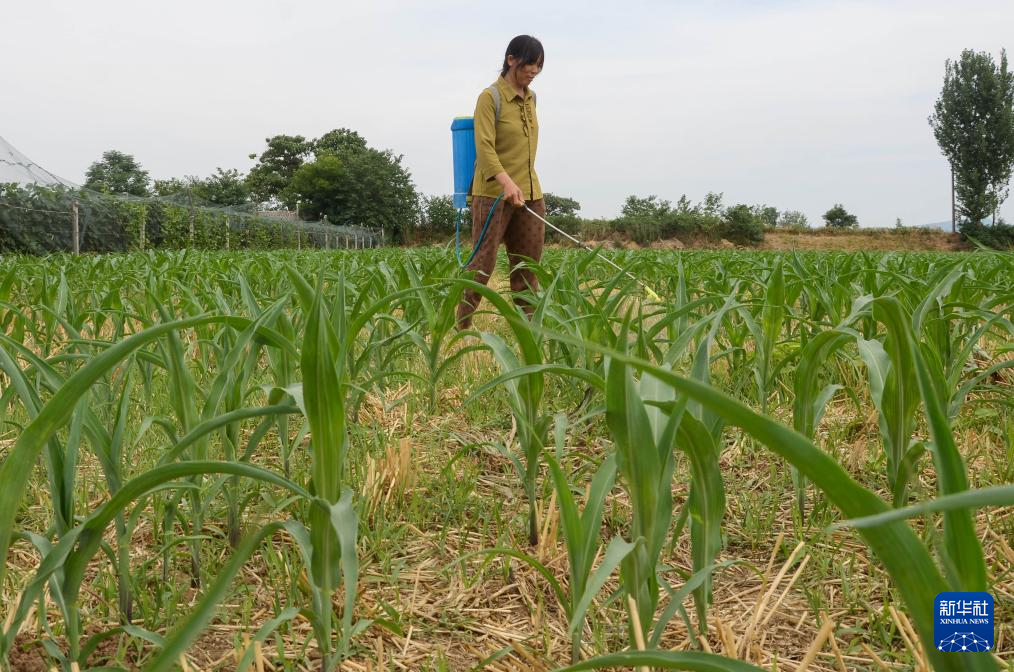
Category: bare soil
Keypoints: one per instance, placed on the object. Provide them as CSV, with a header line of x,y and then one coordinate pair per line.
x,y
871,240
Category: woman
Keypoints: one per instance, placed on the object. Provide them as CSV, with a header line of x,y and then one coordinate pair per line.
x,y
505,164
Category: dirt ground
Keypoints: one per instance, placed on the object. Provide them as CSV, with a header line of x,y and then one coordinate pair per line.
x,y
856,240
879,240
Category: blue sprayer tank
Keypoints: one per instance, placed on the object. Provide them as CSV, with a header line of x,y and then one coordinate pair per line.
x,y
463,148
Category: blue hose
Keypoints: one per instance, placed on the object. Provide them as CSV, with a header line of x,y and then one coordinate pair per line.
x,y
482,234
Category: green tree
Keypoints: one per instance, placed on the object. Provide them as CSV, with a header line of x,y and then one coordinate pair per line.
x,y
712,205
224,189
318,187
560,205
684,206
439,215
767,214
269,179
840,218
651,207
117,173
379,193
792,219
973,122
170,186
364,188
339,142
742,225
644,219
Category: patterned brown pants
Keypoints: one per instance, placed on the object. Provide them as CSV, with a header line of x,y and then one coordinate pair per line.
x,y
522,234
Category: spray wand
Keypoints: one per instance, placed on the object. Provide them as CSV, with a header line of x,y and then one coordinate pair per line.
x,y
651,292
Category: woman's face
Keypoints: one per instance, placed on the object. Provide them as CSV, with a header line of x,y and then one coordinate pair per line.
x,y
523,74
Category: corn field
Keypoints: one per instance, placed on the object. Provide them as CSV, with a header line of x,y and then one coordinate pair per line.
x,y
294,461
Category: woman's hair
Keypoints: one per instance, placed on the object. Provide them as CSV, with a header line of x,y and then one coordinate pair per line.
x,y
526,49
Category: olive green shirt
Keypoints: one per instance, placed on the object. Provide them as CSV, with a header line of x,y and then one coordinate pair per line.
x,y
508,145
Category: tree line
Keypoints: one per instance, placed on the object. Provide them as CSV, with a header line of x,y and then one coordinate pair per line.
x,y
647,219
337,178
341,179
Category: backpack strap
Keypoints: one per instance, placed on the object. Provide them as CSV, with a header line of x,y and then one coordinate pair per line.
x,y
494,91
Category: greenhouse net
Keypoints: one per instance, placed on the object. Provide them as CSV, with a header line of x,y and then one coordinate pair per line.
x,y
42,213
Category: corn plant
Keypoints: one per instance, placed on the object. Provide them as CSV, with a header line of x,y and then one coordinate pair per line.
x,y
53,415
582,538
430,323
809,398
171,392
768,333
329,547
904,556
646,461
581,535
524,379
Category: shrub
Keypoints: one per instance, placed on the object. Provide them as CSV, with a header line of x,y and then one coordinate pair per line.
x,y
439,215
694,223
595,229
792,219
999,236
570,223
742,225
643,229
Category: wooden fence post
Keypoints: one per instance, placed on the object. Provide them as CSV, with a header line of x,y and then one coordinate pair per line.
x,y
75,228
143,233
190,198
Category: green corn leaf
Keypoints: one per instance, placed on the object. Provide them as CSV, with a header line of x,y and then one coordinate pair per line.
x,y
676,598
666,660
93,528
617,550
346,528
706,504
216,423
994,496
324,402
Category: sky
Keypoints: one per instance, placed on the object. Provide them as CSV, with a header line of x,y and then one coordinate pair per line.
x,y
799,105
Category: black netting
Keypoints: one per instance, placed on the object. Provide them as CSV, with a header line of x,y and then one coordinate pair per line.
x,y
39,220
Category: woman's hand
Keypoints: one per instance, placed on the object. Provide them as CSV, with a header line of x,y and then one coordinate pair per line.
x,y
511,192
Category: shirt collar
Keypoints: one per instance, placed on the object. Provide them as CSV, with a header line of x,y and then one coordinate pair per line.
x,y
507,91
